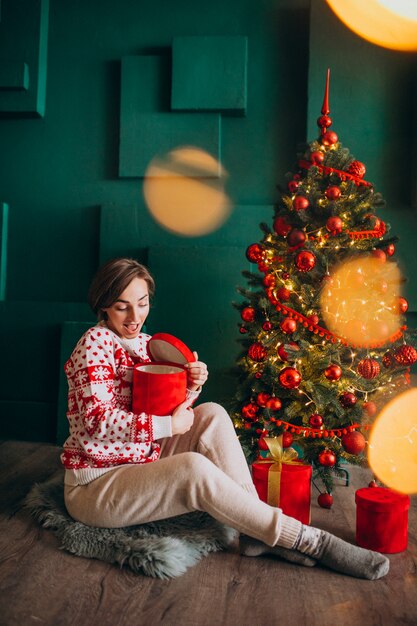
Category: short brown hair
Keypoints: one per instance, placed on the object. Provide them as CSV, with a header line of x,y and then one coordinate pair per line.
x,y
112,279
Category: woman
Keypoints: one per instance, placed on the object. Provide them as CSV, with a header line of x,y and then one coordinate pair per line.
x,y
124,469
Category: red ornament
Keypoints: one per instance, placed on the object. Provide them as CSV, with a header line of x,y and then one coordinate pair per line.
x,y
283,294
289,378
293,185
255,253
258,375
262,445
288,325
334,225
379,254
368,368
282,353
373,484
315,420
333,192
257,352
300,203
405,355
329,138
348,399
305,261
325,500
263,267
296,237
354,442
262,399
274,404
281,226
356,168
267,326
287,439
317,157
370,408
248,314
402,305
388,359
390,249
271,296
269,280
243,330
285,275
327,458
250,410
314,319
324,121
333,372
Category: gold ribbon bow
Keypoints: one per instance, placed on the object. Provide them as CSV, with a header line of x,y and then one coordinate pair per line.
x,y
278,455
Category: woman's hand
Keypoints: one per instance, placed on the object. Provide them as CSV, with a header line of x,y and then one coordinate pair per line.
x,y
197,373
182,418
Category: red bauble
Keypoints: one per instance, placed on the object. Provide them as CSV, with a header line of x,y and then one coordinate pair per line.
x,y
269,280
243,330
274,404
289,378
270,293
248,314
348,399
287,439
263,267
390,249
255,253
317,157
314,319
354,442
405,355
368,368
370,408
333,192
262,444
267,326
388,359
282,353
379,254
283,294
333,372
296,237
305,261
402,305
285,275
300,203
329,138
262,399
288,325
325,500
324,121
281,226
327,458
293,185
257,352
373,484
250,410
258,375
315,420
356,168
334,225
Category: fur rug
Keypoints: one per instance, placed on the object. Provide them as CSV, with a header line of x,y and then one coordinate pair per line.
x,y
163,549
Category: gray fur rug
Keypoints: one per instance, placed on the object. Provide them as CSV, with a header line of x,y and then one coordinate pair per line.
x,y
163,549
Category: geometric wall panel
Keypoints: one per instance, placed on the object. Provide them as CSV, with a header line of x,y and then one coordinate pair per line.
x,y
23,54
147,129
210,74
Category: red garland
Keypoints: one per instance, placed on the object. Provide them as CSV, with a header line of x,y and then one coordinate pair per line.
x,y
341,173
306,431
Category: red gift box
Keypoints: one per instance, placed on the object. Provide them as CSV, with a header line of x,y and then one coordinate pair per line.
x,y
160,386
382,519
284,483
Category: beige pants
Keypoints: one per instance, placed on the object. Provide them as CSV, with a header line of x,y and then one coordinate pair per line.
x,y
202,470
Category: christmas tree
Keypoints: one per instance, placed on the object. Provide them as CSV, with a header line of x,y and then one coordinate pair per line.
x,y
323,334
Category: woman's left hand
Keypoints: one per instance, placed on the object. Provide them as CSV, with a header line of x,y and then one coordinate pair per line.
x,y
197,373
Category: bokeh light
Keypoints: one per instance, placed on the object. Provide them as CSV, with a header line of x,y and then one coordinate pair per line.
x,y
392,450
387,23
184,192
360,300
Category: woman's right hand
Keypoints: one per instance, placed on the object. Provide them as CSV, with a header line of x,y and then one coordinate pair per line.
x,y
182,418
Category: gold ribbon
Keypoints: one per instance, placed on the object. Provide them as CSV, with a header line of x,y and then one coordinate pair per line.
x,y
278,456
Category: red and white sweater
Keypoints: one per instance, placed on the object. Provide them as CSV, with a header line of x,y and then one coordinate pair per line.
x,y
104,433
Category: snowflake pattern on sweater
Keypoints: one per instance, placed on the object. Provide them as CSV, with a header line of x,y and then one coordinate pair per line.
x,y
104,433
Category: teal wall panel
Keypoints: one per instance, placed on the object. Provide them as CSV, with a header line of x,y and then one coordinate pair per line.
x,y
4,230
23,54
210,73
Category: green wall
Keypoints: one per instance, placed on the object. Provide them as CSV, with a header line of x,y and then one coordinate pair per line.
x,y
102,87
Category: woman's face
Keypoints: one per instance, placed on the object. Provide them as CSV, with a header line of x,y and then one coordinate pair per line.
x,y
127,315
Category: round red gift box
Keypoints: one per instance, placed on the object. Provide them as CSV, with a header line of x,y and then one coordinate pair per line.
x,y
160,386
382,519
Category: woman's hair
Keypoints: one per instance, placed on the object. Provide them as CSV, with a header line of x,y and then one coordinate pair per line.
x,y
112,279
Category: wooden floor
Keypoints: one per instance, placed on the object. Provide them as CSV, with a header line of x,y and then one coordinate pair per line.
x,y
40,584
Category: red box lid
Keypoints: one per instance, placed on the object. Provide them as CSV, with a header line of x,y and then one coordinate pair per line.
x,y
165,348
382,499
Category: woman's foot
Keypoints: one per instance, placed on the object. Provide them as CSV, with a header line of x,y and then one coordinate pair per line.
x,y
252,547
